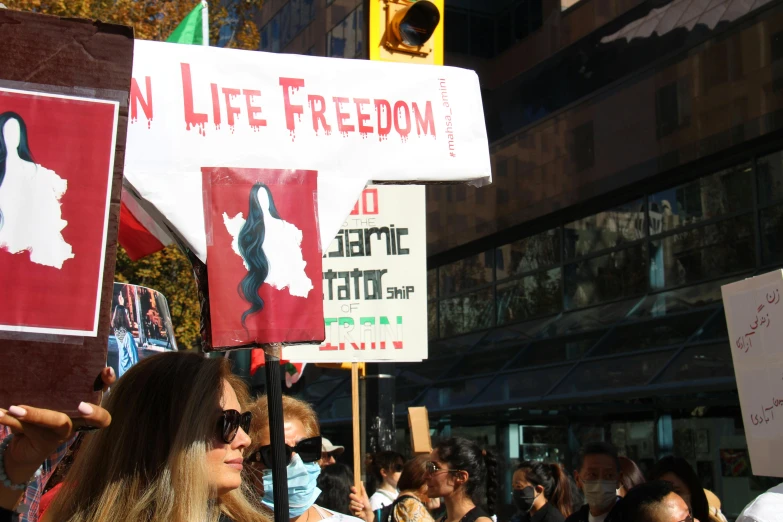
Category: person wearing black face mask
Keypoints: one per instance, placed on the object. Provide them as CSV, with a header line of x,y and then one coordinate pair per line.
x,y
541,493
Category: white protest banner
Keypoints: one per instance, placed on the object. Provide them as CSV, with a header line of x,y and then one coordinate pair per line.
x,y
351,121
754,315
375,282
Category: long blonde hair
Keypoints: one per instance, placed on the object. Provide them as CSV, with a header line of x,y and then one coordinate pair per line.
x,y
150,463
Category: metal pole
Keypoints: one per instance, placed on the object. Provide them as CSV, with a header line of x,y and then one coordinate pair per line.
x,y
274,393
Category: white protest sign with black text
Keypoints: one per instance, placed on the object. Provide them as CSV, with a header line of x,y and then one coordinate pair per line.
x,y
375,282
351,121
754,315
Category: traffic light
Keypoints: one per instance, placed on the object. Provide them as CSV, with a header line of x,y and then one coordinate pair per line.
x,y
408,31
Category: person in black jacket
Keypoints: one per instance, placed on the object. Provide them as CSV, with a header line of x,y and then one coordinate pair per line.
x,y
542,492
598,476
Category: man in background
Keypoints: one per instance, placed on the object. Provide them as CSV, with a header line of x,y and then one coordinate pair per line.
x,y
598,476
655,501
329,452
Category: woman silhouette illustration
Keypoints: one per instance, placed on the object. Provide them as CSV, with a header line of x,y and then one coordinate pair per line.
x,y
126,346
270,248
30,214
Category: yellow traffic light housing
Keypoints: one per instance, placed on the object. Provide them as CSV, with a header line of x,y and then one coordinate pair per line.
x,y
412,26
409,31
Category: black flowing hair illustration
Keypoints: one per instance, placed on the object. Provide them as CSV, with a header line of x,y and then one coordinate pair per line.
x,y
251,247
23,149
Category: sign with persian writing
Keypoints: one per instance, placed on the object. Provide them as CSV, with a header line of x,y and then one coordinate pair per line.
x,y
754,315
375,282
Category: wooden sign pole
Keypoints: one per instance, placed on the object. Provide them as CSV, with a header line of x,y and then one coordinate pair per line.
x,y
357,463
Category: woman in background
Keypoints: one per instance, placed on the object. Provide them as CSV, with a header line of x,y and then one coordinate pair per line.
x,y
335,483
541,490
414,503
385,468
632,476
463,475
303,438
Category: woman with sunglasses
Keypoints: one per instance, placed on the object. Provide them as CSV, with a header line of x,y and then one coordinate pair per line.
x,y
303,452
464,475
414,503
173,451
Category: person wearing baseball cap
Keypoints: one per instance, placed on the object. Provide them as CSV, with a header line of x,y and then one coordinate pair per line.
x,y
329,451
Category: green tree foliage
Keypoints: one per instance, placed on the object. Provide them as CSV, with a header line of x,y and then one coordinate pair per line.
x,y
169,272
156,19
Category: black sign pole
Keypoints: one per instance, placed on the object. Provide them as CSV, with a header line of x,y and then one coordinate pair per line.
x,y
274,394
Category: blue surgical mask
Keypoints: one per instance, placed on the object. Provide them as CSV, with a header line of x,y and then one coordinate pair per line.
x,y
302,489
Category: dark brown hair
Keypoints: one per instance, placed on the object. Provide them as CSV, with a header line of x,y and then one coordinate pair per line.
x,y
414,474
481,466
632,475
554,480
389,461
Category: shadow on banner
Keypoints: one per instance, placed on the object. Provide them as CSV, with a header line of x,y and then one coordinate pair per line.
x,y
140,326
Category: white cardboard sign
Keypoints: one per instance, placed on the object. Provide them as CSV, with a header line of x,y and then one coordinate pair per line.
x,y
352,121
754,315
375,282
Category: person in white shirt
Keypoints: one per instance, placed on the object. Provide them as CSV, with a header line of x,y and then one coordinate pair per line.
x,y
385,468
767,507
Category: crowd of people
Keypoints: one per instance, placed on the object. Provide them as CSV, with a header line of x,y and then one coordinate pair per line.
x,y
178,438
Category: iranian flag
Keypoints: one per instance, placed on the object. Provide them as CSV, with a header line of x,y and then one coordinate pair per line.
x,y
139,234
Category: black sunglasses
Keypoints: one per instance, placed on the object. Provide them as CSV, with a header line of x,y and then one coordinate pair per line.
x,y
309,450
229,423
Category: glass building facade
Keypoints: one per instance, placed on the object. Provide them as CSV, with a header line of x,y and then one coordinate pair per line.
x,y
637,167
335,28
607,327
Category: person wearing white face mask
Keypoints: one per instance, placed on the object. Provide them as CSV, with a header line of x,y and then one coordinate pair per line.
x,y
598,476
303,447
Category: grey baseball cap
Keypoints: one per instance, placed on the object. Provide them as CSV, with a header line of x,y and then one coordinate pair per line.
x,y
328,447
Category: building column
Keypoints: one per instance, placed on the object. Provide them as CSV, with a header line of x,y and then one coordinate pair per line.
x,y
379,432
664,436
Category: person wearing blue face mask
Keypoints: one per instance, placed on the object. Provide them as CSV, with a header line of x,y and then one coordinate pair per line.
x,y
303,450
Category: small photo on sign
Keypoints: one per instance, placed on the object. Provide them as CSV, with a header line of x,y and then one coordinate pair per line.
x,y
263,256
140,326
56,163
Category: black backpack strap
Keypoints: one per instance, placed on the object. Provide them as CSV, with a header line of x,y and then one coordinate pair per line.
x,y
403,497
390,516
474,514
